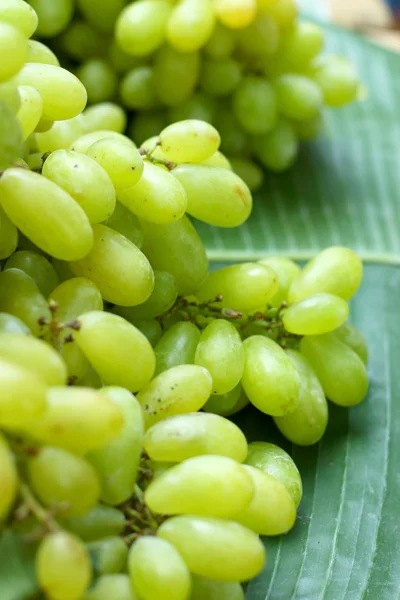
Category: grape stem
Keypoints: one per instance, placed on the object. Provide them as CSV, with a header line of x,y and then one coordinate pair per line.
x,y
32,506
148,154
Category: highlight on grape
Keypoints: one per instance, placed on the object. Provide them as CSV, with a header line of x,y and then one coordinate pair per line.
x,y
122,355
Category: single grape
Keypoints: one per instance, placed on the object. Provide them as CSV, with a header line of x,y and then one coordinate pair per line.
x,y
100,522
19,14
220,78
301,45
13,49
259,39
9,95
287,271
8,236
105,115
189,141
61,134
109,555
101,16
175,75
30,111
11,324
11,142
219,160
137,89
117,587
40,53
177,346
249,171
53,16
126,223
80,41
150,328
120,159
337,79
299,98
278,149
349,335
162,298
317,314
83,143
99,79
190,25
235,14
221,43
37,267
8,477
228,404
255,105
140,27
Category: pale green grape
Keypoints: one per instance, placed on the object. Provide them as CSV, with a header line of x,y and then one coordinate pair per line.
x,y
147,124
30,111
235,14
99,79
11,142
157,571
157,197
20,296
140,28
220,351
337,79
80,41
221,43
117,267
119,159
53,16
63,566
317,314
61,135
255,105
37,267
301,45
216,196
101,15
206,589
339,369
43,126
151,328
105,115
184,436
287,271
100,522
74,297
227,404
46,214
117,587
260,38
60,478
179,390
77,419
349,335
83,179
336,270
8,236
40,53
177,249
218,160
13,49
8,477
137,90
276,462
162,298
177,346
270,379
9,95
109,555
175,75
299,98
11,324
284,12
249,171
117,463
126,223
190,25
19,14
243,287
278,149
189,141
83,143
63,95
215,548
199,107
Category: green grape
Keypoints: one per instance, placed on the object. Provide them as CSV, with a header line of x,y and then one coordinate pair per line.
x,y
108,555
11,324
158,468
157,571
137,90
100,522
120,159
283,12
278,149
63,567
175,75
218,160
74,297
157,197
151,328
81,42
40,53
22,395
276,462
30,111
105,115
62,269
37,267
121,61
8,236
199,107
227,404
339,369
215,548
307,130
206,589
43,126
83,143
20,15
349,335
77,364
11,142
117,463
46,214
234,139
99,79
117,587
161,300
117,267
287,271
260,38
8,477
53,16
140,28
221,44
9,95
126,223
335,270
61,479
235,14
189,141
255,105
101,16
299,98
63,95
61,135
184,436
179,390
301,45
270,379
177,346
147,124
13,49
77,419
177,249
317,314
216,196
83,179
338,80
249,171
190,25
243,287
220,351
20,296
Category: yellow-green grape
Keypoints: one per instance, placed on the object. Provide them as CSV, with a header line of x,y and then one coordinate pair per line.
x,y
126,223
158,468
43,126
336,270
339,369
177,346
220,351
61,135
137,90
284,12
120,159
77,419
287,271
53,16
272,510
349,335
259,39
102,17
80,41
338,80
8,236
116,586
34,355
206,589
9,95
19,14
243,287
11,143
150,328
105,115
303,43
278,149
85,180
100,522
255,105
61,479
63,95
37,267
117,463
175,75
157,197
276,462
40,53
30,111
235,14
161,300
227,404
99,79
8,477
221,43
63,567
109,555
317,314
13,49
177,249
83,143
270,379
190,25
22,396
189,141
157,571
184,436
215,548
11,324
20,296
117,267
307,424
218,160
140,28
299,98
78,365
46,214
249,171
179,390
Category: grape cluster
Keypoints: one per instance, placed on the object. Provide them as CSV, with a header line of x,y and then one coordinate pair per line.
x,y
249,67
